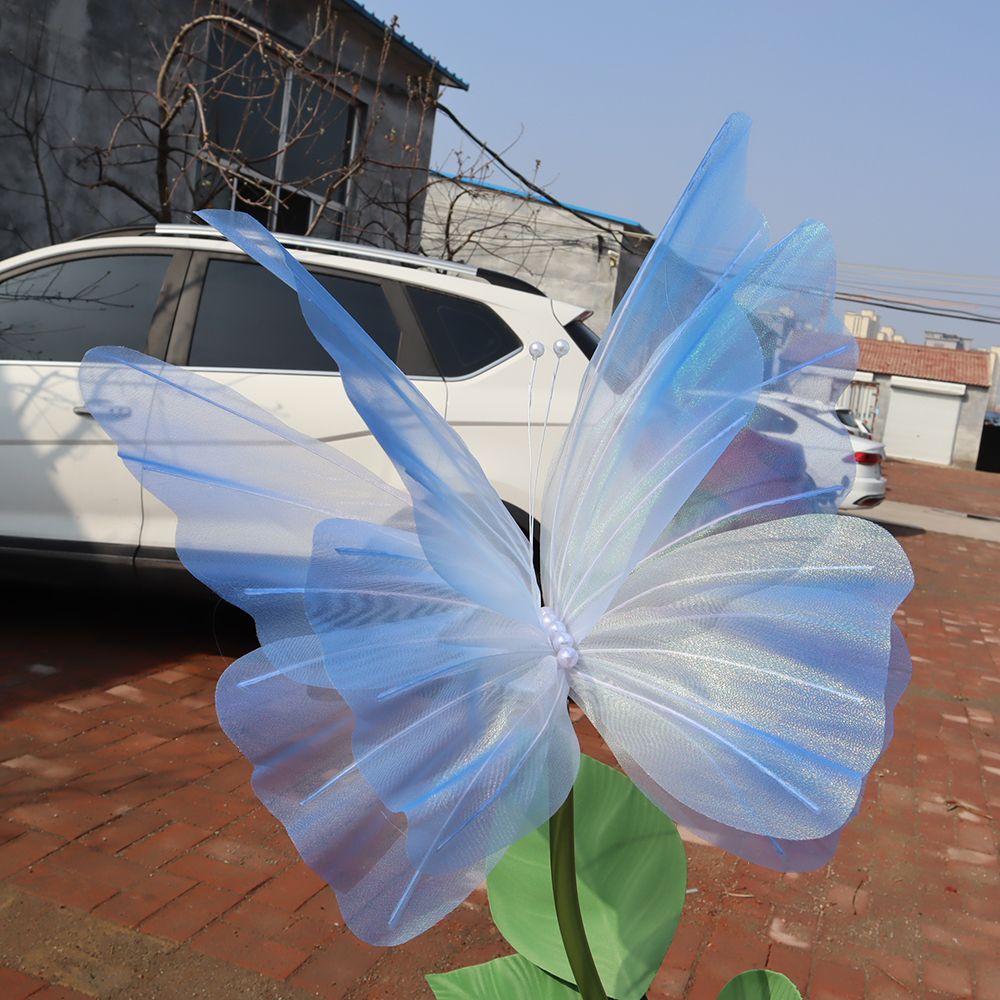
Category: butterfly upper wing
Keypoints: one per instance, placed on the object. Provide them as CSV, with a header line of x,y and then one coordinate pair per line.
x,y
661,398
453,501
793,456
248,490
752,704
698,401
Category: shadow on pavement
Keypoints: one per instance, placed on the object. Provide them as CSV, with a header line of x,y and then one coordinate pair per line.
x,y
61,639
900,530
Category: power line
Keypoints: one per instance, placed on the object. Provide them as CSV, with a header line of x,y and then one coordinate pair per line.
x,y
907,270
911,307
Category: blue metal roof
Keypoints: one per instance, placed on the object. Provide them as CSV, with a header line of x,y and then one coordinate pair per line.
x,y
539,198
448,76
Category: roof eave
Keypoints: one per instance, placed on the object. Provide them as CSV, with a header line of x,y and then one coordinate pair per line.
x,y
448,78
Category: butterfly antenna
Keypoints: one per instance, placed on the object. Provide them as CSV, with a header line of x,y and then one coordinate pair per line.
x,y
536,349
560,349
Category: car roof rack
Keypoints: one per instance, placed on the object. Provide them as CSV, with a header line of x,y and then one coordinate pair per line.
x,y
368,253
332,246
116,231
357,250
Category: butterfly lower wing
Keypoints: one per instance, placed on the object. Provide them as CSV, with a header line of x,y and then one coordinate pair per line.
x,y
466,730
778,853
408,740
455,507
296,730
747,674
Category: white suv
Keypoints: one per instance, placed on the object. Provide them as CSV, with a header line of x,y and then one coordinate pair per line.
x,y
184,294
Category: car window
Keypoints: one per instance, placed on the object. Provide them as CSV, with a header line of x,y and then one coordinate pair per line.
x,y
464,335
847,418
247,318
59,311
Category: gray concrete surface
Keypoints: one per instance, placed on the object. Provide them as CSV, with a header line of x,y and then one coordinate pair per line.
x,y
947,522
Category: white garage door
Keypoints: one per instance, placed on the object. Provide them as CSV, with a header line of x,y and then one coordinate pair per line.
x,y
922,419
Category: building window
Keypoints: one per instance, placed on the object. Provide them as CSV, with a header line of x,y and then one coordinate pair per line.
x,y
286,137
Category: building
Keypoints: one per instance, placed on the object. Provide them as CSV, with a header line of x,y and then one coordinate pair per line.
x,y
949,341
889,333
311,118
862,325
579,255
926,404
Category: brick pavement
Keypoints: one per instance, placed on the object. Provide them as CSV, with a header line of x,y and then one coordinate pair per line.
x,y
135,861
951,489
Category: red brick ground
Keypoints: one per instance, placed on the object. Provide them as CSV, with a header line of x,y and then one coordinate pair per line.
x,y
135,861
951,489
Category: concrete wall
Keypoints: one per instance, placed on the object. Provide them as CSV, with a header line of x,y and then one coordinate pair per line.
x,y
970,426
111,44
563,255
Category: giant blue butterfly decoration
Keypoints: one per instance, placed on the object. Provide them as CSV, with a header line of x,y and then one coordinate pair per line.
x,y
725,630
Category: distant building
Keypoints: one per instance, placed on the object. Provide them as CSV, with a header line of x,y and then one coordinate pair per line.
x,y
582,256
949,341
862,325
928,404
889,333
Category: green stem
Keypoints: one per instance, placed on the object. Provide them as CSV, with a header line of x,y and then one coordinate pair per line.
x,y
562,858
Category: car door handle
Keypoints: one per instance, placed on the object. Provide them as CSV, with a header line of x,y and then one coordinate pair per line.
x,y
111,413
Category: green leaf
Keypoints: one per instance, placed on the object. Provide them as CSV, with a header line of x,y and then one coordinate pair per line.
x,y
760,984
513,978
631,873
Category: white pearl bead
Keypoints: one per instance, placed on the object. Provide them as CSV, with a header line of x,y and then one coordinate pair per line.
x,y
567,658
560,348
547,617
536,349
561,639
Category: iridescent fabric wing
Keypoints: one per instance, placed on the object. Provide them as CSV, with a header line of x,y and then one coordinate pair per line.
x,y
453,502
459,739
277,706
644,397
778,853
406,742
682,463
793,456
695,403
745,675
248,490
461,712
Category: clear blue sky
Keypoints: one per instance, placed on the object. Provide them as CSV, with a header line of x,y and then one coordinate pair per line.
x,y
880,118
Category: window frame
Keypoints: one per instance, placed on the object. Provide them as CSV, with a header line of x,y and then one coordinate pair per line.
x,y
277,184
168,298
413,347
513,353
